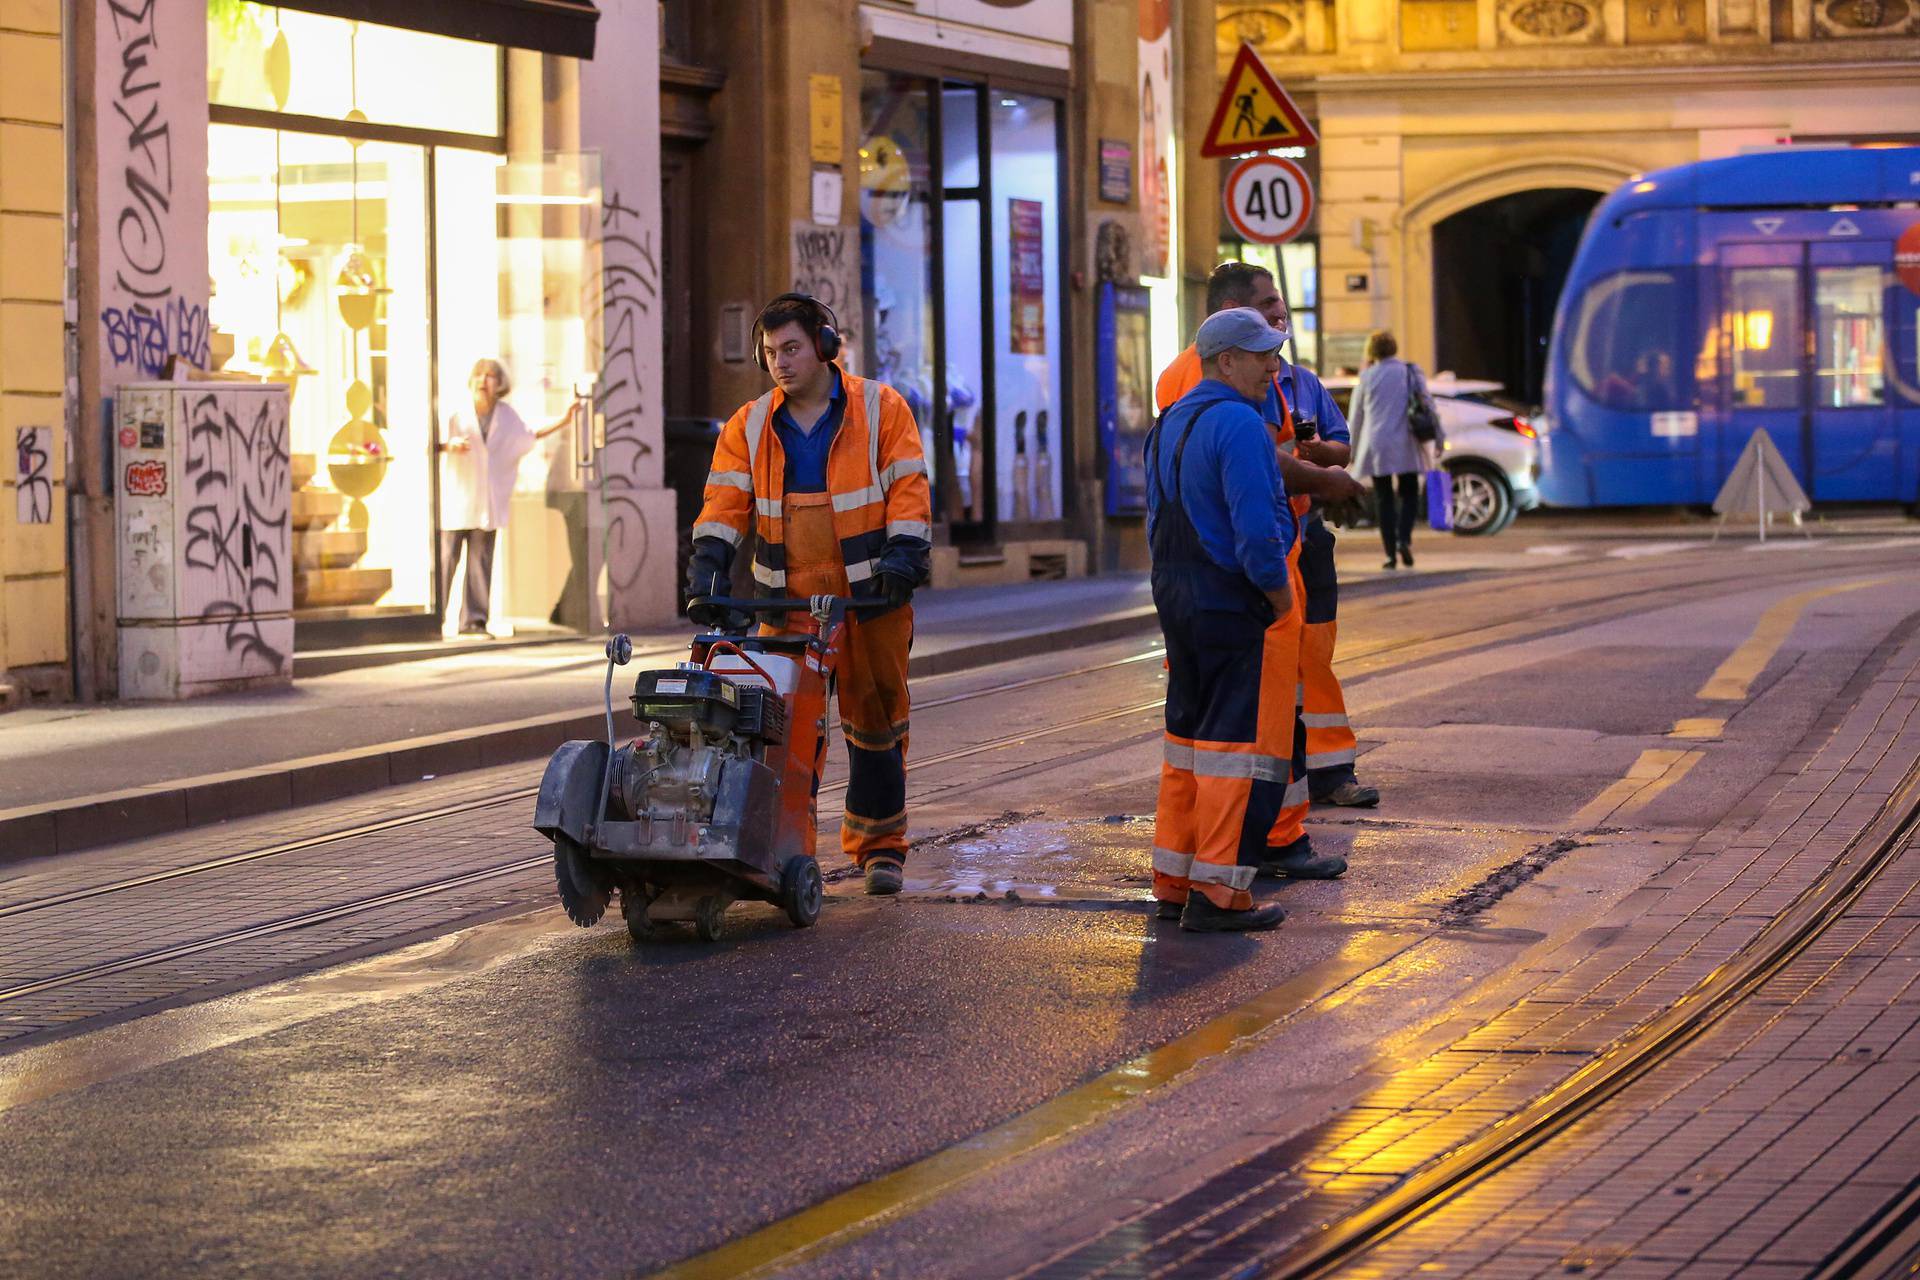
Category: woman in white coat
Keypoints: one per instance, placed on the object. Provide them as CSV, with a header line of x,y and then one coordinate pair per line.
x,y
478,460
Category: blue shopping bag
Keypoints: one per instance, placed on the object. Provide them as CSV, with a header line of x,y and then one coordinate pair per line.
x,y
1439,500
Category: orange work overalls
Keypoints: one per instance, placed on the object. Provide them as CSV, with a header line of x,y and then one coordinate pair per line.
x,y
872,686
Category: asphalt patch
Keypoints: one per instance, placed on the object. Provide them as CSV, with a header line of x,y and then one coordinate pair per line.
x,y
1470,904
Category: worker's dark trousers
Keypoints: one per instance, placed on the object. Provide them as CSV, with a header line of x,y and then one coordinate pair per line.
x,y
1330,744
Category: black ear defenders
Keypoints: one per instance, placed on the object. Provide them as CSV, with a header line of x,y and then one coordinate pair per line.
x,y
826,341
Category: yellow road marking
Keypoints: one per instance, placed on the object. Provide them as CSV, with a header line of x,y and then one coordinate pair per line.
x,y
1656,770
866,1208
1729,683
1698,728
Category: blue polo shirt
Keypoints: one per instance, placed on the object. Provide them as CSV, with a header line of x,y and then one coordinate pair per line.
x,y
1310,400
807,450
1229,483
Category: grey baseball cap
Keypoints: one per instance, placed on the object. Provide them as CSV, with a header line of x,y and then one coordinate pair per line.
x,y
1240,328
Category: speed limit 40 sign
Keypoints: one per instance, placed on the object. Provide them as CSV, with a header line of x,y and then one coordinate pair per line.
x,y
1268,199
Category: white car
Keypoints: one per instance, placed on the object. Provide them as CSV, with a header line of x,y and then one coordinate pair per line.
x,y
1491,450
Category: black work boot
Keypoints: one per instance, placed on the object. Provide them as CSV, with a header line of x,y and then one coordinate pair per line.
x,y
883,877
1352,794
1164,910
1201,916
1298,861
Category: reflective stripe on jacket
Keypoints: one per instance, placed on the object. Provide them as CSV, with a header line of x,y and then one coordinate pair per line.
x,y
876,474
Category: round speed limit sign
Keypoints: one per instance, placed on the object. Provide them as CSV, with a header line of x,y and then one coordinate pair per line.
x,y
1268,199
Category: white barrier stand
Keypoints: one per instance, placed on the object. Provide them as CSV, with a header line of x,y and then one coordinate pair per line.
x,y
1760,484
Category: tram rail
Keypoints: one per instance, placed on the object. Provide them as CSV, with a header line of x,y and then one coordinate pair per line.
x,y
1812,913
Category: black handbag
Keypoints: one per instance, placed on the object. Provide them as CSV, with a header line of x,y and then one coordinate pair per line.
x,y
1422,420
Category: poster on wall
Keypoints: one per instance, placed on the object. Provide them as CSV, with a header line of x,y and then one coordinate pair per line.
x,y
1027,264
826,265
1156,135
1123,369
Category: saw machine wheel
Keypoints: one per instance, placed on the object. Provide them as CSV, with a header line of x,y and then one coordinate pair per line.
x,y
706,918
585,888
801,890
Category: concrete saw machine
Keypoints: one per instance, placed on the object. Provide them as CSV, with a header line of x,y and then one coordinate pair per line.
x,y
715,801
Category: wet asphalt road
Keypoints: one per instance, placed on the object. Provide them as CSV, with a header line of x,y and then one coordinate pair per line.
x,y
582,1108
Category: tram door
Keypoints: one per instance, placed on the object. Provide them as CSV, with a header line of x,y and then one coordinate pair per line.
x,y
1805,336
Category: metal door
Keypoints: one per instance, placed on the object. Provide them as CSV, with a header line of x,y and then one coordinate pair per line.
x,y
1855,446
1763,344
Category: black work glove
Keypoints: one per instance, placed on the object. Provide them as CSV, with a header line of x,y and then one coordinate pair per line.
x,y
707,576
713,617
895,588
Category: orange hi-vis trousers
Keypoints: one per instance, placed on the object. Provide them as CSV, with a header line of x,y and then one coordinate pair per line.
x,y
871,685
1231,779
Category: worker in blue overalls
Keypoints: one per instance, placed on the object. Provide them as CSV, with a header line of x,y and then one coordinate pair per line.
x,y
1222,536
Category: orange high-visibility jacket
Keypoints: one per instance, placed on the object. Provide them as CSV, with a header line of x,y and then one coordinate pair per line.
x,y
1178,378
876,472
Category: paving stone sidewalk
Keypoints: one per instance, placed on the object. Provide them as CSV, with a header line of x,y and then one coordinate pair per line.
x,y
1661,942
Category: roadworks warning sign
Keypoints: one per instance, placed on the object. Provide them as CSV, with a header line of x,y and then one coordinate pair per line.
x,y
1254,112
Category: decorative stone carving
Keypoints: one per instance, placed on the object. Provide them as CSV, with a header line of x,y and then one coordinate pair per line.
x,y
1427,25
1847,18
1273,30
1549,22
1666,21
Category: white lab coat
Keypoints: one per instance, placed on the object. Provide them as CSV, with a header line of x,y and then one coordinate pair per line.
x,y
476,487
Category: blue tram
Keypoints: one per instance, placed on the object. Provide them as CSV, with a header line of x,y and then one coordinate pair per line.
x,y
1776,291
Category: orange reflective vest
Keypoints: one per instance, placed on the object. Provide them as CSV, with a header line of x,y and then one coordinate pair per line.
x,y
876,477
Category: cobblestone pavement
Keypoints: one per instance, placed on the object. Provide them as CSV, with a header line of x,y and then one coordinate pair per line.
x,y
1804,1100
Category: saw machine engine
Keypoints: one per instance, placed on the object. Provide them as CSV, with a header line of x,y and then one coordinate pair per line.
x,y
699,725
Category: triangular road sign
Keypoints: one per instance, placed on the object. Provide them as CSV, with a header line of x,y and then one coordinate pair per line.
x,y
1255,113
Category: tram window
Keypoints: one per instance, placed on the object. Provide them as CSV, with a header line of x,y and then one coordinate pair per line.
x,y
1849,368
1629,337
1763,310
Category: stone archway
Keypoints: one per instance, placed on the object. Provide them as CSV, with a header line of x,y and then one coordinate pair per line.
x,y
1413,229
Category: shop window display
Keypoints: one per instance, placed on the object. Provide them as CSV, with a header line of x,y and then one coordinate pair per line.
x,y
896,244
963,308
345,266
1026,305
318,251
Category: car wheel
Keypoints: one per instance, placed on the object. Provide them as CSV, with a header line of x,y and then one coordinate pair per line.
x,y
1482,504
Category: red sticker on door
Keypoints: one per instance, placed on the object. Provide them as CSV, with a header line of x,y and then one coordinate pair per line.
x,y
146,479
128,437
1906,257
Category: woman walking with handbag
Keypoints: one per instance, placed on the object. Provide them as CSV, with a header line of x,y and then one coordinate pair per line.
x,y
1395,430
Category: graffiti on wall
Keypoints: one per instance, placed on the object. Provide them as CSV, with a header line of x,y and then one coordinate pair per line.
x,y
141,339
629,290
826,264
33,475
236,487
144,321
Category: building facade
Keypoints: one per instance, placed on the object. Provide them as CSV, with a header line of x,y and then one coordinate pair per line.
x,y
360,201
959,180
33,367
1464,142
